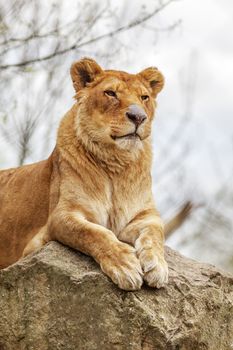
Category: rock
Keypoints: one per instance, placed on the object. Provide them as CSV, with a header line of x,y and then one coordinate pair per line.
x,y
59,299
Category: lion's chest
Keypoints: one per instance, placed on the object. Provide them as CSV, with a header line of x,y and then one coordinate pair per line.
x,y
119,204
123,209
110,202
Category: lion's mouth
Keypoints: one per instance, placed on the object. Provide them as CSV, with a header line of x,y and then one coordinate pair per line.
x,y
131,136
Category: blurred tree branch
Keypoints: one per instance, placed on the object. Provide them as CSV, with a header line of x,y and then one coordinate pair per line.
x,y
80,43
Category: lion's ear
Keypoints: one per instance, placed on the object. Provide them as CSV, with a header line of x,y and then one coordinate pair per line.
x,y
155,79
83,72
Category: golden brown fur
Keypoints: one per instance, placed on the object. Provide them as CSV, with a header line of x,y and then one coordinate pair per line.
x,y
94,192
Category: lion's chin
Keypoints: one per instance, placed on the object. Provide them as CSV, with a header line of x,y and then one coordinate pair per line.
x,y
128,142
130,136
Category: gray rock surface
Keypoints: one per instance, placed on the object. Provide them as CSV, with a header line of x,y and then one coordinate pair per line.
x,y
59,299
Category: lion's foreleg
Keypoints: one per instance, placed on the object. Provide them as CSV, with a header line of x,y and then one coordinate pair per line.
x,y
146,233
118,260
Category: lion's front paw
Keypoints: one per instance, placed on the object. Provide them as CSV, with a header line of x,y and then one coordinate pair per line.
x,y
153,264
123,267
158,275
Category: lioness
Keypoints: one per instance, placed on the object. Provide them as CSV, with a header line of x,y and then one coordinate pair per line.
x,y
94,192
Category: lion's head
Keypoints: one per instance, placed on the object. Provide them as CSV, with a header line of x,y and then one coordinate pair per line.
x,y
115,108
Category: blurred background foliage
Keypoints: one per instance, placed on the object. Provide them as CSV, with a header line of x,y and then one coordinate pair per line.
x,y
193,162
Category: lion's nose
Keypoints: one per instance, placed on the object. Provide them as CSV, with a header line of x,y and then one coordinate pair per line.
x,y
136,114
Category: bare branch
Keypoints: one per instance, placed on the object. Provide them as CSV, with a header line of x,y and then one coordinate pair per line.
x,y
76,46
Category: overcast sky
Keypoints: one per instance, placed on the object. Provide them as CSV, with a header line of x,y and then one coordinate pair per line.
x,y
205,42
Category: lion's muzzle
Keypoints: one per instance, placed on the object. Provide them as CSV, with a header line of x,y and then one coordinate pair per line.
x,y
136,114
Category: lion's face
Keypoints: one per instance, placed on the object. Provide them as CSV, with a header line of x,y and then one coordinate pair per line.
x,y
115,107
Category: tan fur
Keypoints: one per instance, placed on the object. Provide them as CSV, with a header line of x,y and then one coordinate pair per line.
x,y
94,192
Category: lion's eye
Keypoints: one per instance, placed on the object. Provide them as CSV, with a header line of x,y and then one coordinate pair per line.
x,y
110,93
145,97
